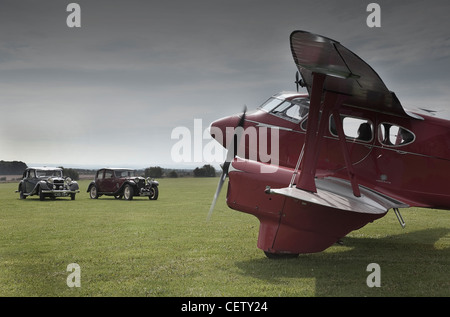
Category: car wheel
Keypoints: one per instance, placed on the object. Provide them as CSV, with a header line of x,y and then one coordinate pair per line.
x,y
128,192
72,196
93,192
21,195
41,194
154,194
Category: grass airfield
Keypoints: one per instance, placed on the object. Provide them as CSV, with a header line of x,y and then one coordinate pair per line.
x,y
167,248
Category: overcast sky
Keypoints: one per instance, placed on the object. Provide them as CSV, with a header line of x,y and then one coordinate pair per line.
x,y
111,92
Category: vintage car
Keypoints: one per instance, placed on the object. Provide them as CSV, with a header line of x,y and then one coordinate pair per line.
x,y
122,182
47,182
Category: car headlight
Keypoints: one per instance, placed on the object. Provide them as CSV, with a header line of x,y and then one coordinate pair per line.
x,y
68,181
50,180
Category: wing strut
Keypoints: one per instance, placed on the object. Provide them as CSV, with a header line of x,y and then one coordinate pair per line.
x,y
343,143
308,167
317,123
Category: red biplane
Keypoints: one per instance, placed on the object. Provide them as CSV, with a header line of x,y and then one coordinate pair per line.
x,y
348,152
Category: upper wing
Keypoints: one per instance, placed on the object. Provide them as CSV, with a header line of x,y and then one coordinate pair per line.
x,y
347,74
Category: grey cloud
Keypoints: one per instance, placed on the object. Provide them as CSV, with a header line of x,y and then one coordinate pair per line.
x,y
161,64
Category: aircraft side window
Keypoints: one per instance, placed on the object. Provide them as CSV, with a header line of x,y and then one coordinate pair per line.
x,y
354,128
293,112
393,135
302,108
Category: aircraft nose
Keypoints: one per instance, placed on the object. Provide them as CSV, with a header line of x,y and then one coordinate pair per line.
x,y
220,128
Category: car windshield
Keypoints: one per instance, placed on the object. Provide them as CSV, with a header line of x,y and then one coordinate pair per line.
x,y
125,173
48,173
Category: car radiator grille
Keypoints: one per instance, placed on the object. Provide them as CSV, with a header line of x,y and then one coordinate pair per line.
x,y
58,184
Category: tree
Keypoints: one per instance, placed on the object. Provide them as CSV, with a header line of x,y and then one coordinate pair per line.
x,y
70,172
205,171
12,168
173,174
153,172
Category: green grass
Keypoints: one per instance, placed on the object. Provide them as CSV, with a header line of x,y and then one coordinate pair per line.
x,y
167,248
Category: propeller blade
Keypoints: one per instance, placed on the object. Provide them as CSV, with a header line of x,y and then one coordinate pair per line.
x,y
299,81
232,151
242,121
234,144
216,195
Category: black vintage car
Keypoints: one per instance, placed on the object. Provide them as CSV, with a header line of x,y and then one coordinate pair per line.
x,y
47,182
122,182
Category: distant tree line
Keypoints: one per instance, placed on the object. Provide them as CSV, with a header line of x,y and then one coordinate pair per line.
x,y
12,168
154,172
18,167
205,171
158,172
71,172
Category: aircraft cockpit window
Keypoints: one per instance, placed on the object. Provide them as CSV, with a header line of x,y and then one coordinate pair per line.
x,y
270,104
393,135
293,110
354,128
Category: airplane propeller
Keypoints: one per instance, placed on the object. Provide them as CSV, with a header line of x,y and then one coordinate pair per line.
x,y
298,81
232,151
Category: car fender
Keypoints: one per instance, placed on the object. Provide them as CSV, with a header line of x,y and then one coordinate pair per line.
x,y
74,186
89,187
128,182
42,185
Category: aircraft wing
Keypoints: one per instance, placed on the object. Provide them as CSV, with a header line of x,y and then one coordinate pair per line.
x,y
337,193
347,74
